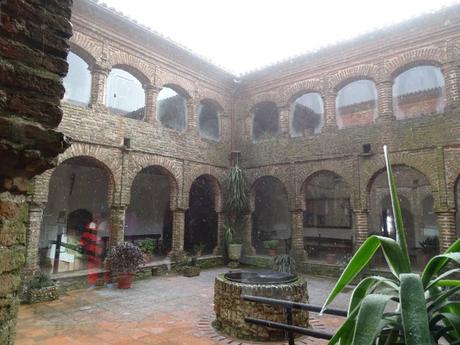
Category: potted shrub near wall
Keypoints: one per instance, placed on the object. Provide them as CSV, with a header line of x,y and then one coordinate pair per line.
x,y
271,246
125,258
233,243
148,248
41,288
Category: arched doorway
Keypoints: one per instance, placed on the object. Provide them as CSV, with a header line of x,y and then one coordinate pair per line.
x,y
416,201
201,218
327,217
149,216
78,194
271,226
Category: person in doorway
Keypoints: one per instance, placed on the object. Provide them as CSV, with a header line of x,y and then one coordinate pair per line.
x,y
90,245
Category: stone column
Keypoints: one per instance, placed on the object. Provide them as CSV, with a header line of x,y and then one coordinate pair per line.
x,y
284,121
151,93
178,231
98,82
248,249
32,239
447,231
297,245
451,74
360,226
117,231
192,121
385,101
330,121
220,234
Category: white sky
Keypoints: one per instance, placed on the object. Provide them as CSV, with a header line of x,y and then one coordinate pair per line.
x,y
242,35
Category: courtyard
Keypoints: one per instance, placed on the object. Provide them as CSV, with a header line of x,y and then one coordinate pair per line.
x,y
170,309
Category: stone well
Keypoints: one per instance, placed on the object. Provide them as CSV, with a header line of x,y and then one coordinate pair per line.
x,y
231,310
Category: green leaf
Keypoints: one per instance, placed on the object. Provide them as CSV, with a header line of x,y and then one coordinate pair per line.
x,y
368,323
437,263
365,286
413,310
434,282
397,210
443,297
345,332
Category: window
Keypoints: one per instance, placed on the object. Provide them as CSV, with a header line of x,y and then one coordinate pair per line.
x,y
125,95
419,91
356,104
77,83
208,120
265,121
171,109
306,114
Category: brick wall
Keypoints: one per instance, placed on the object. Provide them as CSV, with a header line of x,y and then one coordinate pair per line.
x,y
34,41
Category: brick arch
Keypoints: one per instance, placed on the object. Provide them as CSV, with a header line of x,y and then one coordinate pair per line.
x,y
378,167
179,89
351,74
42,183
292,92
165,78
212,101
262,97
171,168
143,71
424,56
307,180
216,186
452,172
89,48
252,192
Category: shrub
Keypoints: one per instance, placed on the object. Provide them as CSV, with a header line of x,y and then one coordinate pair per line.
x,y
147,246
125,257
41,281
284,263
426,311
271,244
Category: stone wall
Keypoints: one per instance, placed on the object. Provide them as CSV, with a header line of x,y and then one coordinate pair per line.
x,y
34,41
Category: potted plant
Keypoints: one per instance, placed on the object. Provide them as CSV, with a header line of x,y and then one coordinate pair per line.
x,y
191,269
430,247
198,248
284,263
41,288
270,246
125,258
233,243
148,248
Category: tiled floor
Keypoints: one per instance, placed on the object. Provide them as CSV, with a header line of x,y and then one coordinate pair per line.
x,y
162,310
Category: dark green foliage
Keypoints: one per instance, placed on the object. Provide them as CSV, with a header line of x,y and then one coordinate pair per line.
x,y
284,263
40,281
147,246
125,258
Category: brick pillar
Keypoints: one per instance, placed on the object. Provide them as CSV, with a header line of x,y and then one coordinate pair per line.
x,y
248,249
297,234
178,231
451,74
117,215
385,101
33,236
330,121
220,234
284,121
447,231
192,121
98,80
360,226
151,93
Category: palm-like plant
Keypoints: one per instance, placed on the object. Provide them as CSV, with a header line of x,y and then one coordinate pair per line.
x,y
425,312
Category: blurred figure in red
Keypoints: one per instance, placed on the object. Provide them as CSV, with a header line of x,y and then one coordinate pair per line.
x,y
91,246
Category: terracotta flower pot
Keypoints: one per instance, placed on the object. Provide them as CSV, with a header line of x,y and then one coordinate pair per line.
x,y
125,280
271,252
331,258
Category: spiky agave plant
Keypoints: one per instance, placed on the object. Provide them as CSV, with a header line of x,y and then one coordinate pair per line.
x,y
425,313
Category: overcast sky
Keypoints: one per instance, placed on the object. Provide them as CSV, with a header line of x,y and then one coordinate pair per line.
x,y
242,35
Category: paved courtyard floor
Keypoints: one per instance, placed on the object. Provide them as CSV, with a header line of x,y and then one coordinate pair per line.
x,y
163,310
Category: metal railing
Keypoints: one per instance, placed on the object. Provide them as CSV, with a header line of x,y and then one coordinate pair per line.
x,y
288,326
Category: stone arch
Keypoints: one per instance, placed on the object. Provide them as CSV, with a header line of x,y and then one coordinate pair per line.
x,y
262,97
179,89
89,49
254,184
165,78
292,92
143,71
348,75
423,56
171,169
452,174
215,177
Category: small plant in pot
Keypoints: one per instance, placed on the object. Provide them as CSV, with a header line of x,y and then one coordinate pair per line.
x,y
233,243
148,248
199,248
191,269
284,263
41,288
271,246
430,247
125,258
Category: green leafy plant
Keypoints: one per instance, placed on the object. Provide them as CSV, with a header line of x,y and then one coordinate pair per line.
x,y
125,258
40,281
231,236
284,263
147,246
271,244
430,245
426,311
237,192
